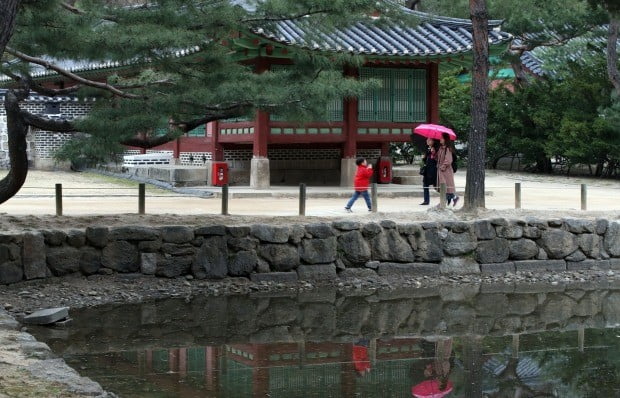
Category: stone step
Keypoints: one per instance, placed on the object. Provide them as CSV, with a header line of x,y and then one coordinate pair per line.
x,y
407,180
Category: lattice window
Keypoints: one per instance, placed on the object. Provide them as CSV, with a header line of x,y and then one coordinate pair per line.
x,y
400,98
334,108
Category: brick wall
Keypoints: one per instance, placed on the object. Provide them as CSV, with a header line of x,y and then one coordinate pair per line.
x,y
369,153
198,158
42,144
237,154
303,153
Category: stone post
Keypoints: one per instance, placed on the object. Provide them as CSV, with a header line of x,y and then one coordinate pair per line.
x,y
347,172
259,173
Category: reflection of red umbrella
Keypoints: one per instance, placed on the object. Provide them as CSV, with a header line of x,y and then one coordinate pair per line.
x,y
430,389
434,131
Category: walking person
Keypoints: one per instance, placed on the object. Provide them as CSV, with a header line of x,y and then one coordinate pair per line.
x,y
360,183
429,170
445,174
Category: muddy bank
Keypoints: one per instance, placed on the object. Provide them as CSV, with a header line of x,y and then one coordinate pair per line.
x,y
80,292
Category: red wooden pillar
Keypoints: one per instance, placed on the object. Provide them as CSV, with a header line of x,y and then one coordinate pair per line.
x,y
347,372
261,134
433,93
176,151
261,123
385,149
213,135
260,373
210,367
182,362
173,359
349,148
350,120
148,360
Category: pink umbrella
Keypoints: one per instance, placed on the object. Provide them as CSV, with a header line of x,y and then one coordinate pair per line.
x,y
430,389
434,131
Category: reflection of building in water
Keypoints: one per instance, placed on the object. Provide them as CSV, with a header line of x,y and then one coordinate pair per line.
x,y
277,369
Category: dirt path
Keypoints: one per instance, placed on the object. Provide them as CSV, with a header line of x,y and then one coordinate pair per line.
x,y
94,199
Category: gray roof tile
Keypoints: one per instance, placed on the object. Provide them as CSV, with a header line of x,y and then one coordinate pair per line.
x,y
434,36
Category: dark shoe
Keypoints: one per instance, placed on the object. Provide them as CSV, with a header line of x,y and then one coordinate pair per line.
x,y
348,210
424,204
454,201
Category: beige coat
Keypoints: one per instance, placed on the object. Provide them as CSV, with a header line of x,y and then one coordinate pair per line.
x,y
444,169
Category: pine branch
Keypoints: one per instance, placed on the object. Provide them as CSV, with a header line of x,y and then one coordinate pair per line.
x,y
166,82
289,18
30,84
47,124
150,142
612,54
72,76
71,8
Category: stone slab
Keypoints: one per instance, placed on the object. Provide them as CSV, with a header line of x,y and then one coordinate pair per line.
x,y
47,316
398,269
540,265
317,272
360,273
498,268
278,277
587,264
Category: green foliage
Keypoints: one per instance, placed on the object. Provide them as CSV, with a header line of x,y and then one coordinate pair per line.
x,y
455,105
403,152
180,60
569,121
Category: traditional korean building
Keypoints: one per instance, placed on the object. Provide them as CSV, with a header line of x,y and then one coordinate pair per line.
x,y
267,150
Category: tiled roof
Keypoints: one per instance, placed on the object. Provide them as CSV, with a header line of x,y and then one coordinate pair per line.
x,y
590,44
433,36
532,63
82,66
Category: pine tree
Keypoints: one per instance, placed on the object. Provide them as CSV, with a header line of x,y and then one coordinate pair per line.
x,y
176,68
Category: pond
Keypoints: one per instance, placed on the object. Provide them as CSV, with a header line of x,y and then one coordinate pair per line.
x,y
528,340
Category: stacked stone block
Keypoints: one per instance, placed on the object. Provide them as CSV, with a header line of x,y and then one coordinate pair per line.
x,y
316,251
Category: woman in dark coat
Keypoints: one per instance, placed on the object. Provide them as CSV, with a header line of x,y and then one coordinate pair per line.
x,y
429,177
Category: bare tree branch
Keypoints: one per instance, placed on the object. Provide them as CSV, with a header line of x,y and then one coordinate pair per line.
x,y
72,76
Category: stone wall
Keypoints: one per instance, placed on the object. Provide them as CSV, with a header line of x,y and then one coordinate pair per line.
x,y
318,251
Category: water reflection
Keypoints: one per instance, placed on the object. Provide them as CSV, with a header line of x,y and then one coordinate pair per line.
x,y
455,342
537,365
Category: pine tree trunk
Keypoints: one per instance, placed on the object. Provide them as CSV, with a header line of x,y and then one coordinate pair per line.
x,y
476,151
612,53
7,21
17,130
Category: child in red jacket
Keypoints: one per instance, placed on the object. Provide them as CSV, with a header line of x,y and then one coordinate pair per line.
x,y
361,181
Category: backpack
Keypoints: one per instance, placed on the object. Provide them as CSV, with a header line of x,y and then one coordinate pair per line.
x,y
454,160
